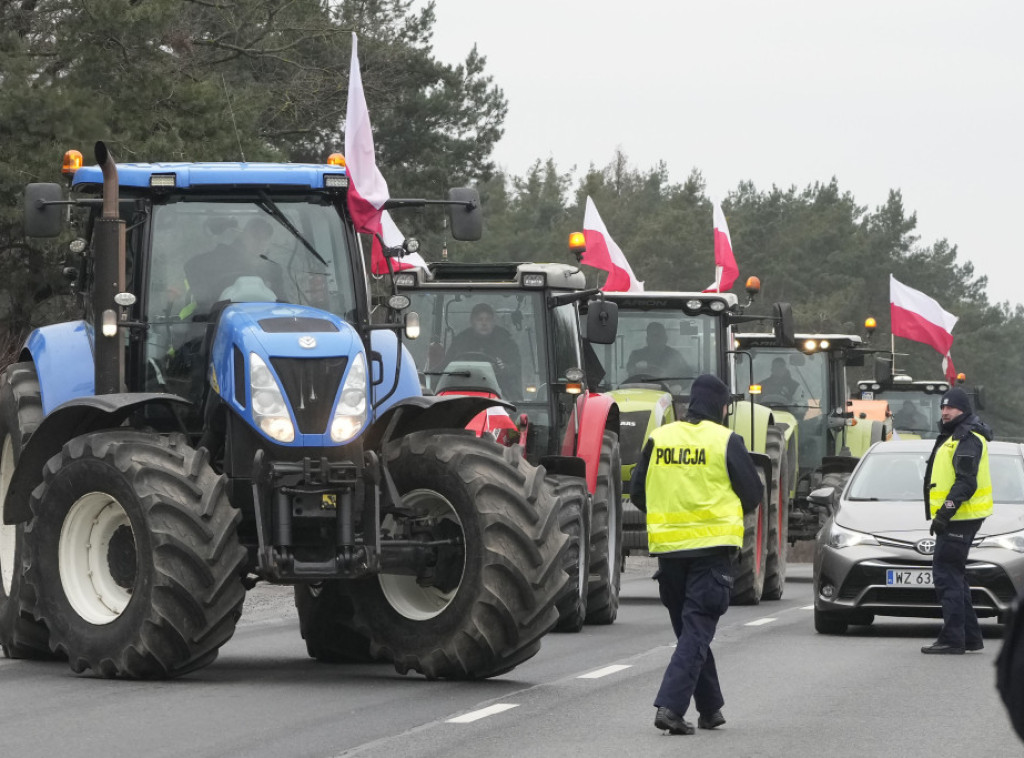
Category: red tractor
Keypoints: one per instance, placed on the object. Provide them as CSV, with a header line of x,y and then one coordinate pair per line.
x,y
511,331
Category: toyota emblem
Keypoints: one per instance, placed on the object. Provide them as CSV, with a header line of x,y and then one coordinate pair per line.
x,y
925,546
307,341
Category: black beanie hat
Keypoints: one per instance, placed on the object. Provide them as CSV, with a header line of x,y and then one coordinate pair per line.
x,y
708,395
957,398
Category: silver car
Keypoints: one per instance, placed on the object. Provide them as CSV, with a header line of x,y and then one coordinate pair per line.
x,y
874,554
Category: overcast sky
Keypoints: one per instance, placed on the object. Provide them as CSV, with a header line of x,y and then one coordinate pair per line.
x,y
924,96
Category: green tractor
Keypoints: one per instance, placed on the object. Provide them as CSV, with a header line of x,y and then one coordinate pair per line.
x,y
665,340
805,386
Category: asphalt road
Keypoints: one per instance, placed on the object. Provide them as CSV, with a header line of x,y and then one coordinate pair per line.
x,y
789,692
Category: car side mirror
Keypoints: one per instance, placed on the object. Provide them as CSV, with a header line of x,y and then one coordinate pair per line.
x,y
823,498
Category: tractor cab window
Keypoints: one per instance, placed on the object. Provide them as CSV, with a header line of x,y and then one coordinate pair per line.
x,y
205,253
480,341
663,348
796,383
914,412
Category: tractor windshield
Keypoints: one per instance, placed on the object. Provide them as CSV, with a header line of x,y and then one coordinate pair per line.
x,y
660,346
913,411
203,252
797,383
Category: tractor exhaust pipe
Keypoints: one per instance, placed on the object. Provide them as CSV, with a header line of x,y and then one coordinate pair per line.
x,y
109,280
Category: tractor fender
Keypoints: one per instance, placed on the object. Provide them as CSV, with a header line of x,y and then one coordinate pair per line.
x,y
421,413
53,349
739,422
387,345
598,414
74,418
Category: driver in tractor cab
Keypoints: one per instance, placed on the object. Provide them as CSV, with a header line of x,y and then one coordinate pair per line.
x,y
657,359
239,272
484,336
780,383
910,417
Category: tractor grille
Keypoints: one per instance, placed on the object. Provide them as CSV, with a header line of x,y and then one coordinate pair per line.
x,y
632,435
311,385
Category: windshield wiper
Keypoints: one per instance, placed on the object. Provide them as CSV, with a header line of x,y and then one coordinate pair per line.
x,y
269,206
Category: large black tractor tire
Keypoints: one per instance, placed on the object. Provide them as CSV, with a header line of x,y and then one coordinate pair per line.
x,y
778,516
606,535
750,564
325,621
486,613
134,555
21,411
574,522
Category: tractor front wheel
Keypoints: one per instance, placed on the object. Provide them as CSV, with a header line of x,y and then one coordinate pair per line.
x,y
134,555
325,621
750,564
778,515
574,521
491,595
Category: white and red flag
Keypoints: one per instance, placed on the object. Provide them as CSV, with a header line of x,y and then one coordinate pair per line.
x,y
726,270
917,317
367,188
603,253
392,237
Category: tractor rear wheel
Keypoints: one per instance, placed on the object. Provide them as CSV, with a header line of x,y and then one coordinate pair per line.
x,y
750,564
778,516
606,536
574,521
21,411
134,555
491,597
325,621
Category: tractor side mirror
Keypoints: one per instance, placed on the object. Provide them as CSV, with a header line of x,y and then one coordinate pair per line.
x,y
979,397
43,204
782,315
464,215
602,321
883,369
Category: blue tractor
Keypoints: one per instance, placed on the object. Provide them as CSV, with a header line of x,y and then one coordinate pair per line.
x,y
225,412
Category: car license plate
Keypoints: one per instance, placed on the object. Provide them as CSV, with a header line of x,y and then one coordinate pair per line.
x,y
908,578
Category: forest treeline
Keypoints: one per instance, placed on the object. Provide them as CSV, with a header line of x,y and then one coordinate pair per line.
x,y
267,80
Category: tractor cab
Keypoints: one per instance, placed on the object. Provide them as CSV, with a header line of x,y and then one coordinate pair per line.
x,y
508,331
806,386
915,404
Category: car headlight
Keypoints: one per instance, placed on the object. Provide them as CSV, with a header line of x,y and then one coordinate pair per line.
x,y
350,413
269,409
840,537
1012,541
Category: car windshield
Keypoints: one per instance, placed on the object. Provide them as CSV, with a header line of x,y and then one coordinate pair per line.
x,y
899,476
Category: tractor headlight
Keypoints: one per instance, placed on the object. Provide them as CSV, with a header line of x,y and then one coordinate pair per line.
x,y
350,413
269,409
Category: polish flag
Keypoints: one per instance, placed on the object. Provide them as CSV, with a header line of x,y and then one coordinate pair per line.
x,y
726,270
367,189
393,237
603,253
917,317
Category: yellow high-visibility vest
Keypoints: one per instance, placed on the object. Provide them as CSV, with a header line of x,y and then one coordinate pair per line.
x,y
944,475
690,500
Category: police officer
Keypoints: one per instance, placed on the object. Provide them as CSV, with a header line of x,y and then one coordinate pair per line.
x,y
695,480
958,498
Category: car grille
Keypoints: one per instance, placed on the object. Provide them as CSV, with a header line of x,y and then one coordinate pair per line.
x,y
862,576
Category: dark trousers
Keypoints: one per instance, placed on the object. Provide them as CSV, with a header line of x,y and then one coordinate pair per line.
x,y
949,569
696,593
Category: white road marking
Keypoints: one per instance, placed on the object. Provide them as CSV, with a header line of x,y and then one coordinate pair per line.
x,y
761,622
603,672
807,608
490,710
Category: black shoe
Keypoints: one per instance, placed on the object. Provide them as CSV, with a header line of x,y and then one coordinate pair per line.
x,y
711,721
668,719
941,648
974,648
